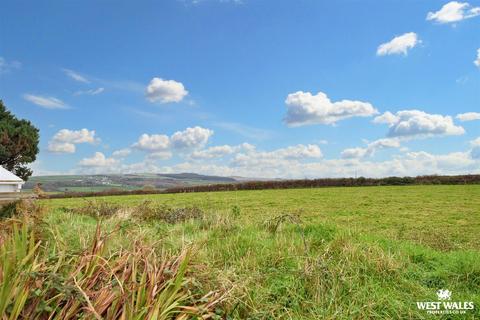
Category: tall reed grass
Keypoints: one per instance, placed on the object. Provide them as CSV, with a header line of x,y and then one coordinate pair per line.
x,y
42,279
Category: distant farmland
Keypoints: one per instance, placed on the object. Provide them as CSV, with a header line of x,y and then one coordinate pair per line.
x,y
125,182
210,184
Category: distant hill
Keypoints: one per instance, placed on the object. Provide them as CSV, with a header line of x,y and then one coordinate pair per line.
x,y
87,183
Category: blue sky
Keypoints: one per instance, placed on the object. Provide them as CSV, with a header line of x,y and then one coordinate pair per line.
x,y
249,88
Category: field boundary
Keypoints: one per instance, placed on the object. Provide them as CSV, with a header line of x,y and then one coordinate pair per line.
x,y
286,184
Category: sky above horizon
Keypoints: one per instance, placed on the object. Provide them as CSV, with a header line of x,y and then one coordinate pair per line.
x,y
271,89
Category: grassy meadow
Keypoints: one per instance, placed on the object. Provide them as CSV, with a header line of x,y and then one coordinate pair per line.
x,y
326,253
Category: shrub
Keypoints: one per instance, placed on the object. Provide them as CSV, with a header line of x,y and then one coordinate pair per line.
x,y
8,210
21,207
236,211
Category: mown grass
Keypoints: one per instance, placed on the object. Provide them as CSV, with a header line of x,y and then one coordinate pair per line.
x,y
333,253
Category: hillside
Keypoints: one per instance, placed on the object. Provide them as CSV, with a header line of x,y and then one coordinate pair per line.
x,y
62,183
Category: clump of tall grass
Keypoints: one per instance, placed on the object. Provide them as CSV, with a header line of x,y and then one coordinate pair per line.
x,y
39,280
274,224
149,211
97,209
20,207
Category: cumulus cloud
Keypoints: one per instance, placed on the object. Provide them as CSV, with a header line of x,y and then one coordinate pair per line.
x,y
279,158
302,161
152,143
476,142
121,153
453,12
477,60
98,160
399,45
475,152
7,66
303,108
75,76
195,137
354,153
410,164
61,147
214,152
90,92
45,102
75,136
418,124
371,148
299,151
165,91
159,155
160,146
64,141
468,116
221,151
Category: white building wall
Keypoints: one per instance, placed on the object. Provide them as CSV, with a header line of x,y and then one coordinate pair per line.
x,y
9,188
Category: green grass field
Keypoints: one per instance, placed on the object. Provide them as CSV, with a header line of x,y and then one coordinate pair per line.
x,y
327,253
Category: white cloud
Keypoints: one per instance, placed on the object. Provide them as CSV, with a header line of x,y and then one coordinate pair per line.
x,y
372,147
279,158
159,155
165,91
475,152
61,147
354,153
152,143
90,92
64,141
405,165
75,76
122,153
303,108
299,151
195,137
477,60
300,161
399,45
418,124
7,66
98,160
386,117
453,12
75,136
475,143
214,152
220,151
45,102
160,146
468,116
411,164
